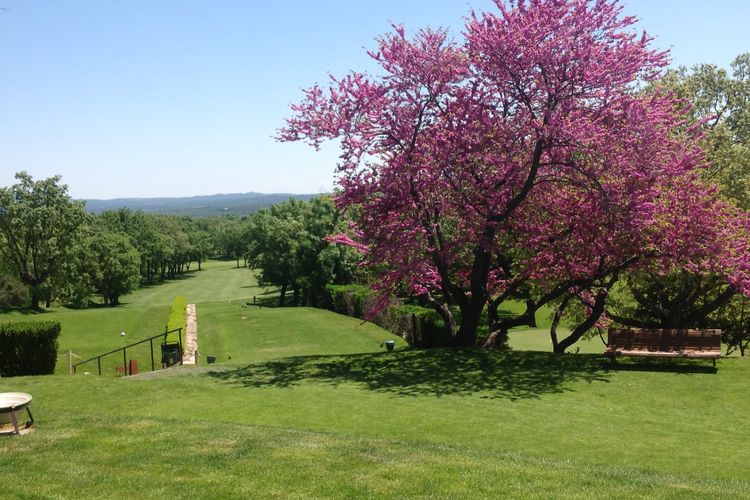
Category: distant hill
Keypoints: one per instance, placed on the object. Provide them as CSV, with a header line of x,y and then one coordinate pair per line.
x,y
197,206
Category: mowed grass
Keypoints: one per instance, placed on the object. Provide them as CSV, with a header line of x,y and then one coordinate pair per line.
x,y
218,280
224,460
142,314
249,334
306,403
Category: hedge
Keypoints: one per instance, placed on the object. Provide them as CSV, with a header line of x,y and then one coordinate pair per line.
x,y
177,318
419,326
28,348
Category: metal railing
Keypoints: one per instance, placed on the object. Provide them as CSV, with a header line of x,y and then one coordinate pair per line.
x,y
150,340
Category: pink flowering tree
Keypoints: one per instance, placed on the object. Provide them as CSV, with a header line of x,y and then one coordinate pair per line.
x,y
524,161
689,229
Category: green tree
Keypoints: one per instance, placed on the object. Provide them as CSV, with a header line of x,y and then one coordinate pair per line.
x,y
287,245
101,261
679,299
117,263
39,224
201,241
231,237
163,242
142,233
274,251
722,103
73,284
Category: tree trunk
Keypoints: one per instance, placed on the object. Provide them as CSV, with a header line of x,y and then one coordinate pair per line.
x,y
445,313
282,295
467,332
596,313
295,296
36,298
498,339
556,321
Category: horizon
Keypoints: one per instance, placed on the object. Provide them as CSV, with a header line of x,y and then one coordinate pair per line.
x,y
248,193
179,98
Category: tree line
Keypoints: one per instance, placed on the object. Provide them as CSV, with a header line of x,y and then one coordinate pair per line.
x,y
51,250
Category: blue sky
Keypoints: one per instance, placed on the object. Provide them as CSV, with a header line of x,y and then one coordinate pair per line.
x,y
180,97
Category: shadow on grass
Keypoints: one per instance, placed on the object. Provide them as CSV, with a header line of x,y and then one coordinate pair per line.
x,y
24,311
186,275
679,366
268,299
233,268
437,372
94,305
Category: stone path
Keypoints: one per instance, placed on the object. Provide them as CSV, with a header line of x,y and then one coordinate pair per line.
x,y
191,337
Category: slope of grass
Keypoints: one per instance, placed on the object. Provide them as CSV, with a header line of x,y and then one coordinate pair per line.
x,y
249,334
461,423
153,459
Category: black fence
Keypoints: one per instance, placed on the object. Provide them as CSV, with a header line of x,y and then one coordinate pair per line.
x,y
171,353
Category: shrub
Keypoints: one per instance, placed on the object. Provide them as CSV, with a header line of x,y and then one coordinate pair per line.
x,y
347,299
28,348
13,293
419,326
177,318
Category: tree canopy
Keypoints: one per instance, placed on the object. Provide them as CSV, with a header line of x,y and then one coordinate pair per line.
x,y
287,244
525,161
39,224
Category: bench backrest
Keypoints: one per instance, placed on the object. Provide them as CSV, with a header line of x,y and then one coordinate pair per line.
x,y
664,340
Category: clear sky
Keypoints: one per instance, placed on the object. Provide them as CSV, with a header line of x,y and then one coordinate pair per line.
x,y
144,98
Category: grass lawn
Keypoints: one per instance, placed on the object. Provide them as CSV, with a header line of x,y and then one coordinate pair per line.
x,y
142,314
306,403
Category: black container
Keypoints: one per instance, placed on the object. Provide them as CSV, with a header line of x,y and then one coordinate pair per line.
x,y
170,354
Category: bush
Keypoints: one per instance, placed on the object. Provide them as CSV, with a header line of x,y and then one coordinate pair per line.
x,y
177,318
347,299
419,326
13,293
28,348
734,320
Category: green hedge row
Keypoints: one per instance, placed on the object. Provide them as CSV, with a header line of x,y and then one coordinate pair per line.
x,y
28,348
419,326
177,318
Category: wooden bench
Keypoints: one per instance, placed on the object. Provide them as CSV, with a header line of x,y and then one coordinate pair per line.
x,y
664,343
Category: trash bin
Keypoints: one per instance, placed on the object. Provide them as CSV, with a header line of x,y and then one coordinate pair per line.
x,y
170,354
210,359
389,344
